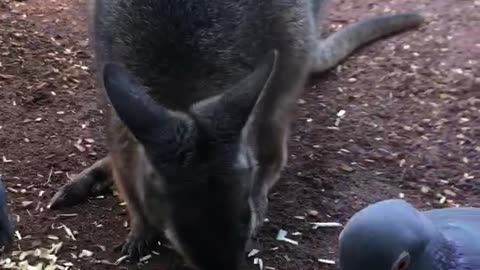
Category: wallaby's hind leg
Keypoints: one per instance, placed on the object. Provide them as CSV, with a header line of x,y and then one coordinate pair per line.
x,y
331,51
93,181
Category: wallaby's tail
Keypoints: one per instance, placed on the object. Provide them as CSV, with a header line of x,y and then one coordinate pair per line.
x,y
339,45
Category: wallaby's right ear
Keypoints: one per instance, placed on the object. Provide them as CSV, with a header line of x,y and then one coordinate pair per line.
x,y
226,114
149,122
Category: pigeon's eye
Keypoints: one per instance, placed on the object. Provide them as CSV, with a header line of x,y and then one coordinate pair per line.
x,y
402,262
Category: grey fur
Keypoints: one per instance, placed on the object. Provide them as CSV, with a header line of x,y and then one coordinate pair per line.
x,y
222,78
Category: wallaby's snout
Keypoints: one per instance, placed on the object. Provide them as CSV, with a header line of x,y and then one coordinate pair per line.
x,y
216,241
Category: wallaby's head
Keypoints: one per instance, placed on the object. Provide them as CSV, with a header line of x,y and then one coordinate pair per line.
x,y
202,171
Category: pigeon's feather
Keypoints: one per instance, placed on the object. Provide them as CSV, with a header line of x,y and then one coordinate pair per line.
x,y
461,226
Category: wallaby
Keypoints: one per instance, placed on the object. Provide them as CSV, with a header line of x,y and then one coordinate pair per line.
x,y
203,94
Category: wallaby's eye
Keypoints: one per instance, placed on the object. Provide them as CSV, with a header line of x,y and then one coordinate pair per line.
x,y
402,262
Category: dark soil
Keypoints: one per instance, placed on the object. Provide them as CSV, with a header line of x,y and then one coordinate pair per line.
x,y
411,128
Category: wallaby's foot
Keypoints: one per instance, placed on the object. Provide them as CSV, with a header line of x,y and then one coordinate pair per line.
x,y
140,242
93,181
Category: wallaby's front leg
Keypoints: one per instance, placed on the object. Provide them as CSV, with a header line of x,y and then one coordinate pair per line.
x,y
93,181
269,172
142,237
270,124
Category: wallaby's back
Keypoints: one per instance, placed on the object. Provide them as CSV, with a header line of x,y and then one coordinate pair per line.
x,y
186,50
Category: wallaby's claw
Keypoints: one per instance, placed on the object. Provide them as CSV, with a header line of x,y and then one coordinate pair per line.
x,y
138,244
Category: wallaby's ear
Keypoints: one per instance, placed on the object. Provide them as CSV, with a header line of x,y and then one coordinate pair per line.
x,y
148,121
226,114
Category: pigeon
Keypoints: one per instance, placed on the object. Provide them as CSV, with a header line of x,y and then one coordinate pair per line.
x,y
394,235
6,226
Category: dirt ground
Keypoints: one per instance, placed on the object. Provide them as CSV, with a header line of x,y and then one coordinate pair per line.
x,y
400,117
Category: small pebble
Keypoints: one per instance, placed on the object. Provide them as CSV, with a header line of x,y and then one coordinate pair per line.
x,y
425,189
26,204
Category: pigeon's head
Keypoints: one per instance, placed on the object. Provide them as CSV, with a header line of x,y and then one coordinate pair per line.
x,y
388,235
6,226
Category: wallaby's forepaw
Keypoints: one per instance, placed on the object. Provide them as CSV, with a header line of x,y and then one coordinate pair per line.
x,y
77,191
139,243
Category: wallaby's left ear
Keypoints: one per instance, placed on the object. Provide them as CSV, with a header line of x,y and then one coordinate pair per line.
x,y
151,123
226,114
